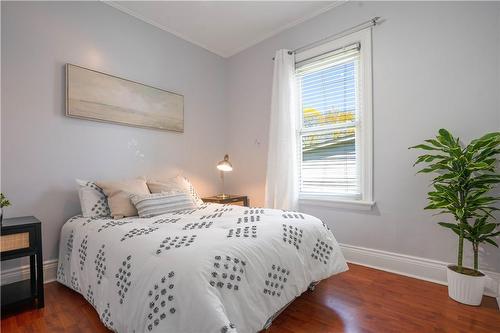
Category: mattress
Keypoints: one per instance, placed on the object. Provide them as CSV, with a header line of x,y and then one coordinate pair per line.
x,y
217,268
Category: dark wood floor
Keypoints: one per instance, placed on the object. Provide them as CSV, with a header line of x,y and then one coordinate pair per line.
x,y
360,300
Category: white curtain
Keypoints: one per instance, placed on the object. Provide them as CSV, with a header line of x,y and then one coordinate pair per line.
x,y
282,174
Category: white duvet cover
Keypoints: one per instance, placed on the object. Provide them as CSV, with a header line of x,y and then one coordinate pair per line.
x,y
213,269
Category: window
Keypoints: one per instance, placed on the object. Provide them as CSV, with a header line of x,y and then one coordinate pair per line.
x,y
335,134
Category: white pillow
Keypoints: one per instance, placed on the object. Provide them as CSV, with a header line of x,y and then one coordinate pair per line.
x,y
176,184
93,201
160,203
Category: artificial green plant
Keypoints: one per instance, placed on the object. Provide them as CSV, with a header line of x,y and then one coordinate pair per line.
x,y
4,202
462,188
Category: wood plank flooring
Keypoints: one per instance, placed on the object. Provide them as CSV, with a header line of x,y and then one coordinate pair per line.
x,y
360,300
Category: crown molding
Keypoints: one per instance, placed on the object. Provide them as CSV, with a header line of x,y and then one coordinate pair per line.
x,y
290,25
161,26
235,51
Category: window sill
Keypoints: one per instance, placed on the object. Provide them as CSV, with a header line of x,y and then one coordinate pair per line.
x,y
336,202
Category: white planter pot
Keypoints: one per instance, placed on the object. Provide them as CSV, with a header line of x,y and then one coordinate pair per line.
x,y
464,288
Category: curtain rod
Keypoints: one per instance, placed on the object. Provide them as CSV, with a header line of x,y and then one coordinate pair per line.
x,y
370,23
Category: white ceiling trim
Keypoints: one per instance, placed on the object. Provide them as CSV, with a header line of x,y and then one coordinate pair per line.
x,y
160,26
237,50
287,26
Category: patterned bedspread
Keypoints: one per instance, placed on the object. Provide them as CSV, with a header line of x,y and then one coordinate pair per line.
x,y
213,269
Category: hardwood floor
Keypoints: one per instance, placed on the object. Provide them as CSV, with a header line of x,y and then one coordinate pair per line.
x,y
360,300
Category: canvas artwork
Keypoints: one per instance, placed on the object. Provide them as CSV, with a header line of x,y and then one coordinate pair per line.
x,y
103,97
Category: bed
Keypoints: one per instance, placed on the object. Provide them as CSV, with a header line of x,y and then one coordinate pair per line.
x,y
217,268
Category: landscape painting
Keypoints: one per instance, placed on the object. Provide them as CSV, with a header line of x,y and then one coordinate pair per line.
x,y
102,97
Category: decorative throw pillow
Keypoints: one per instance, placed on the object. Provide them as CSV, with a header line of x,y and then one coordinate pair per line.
x,y
176,184
119,192
93,201
160,203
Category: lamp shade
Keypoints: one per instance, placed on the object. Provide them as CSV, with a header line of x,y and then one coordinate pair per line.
x,y
225,165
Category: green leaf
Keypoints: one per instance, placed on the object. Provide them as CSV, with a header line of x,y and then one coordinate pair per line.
x,y
434,142
487,152
491,241
479,166
456,231
424,147
487,137
487,228
493,234
446,138
428,158
480,221
448,225
445,178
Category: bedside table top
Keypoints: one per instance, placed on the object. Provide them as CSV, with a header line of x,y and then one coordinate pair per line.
x,y
227,197
19,221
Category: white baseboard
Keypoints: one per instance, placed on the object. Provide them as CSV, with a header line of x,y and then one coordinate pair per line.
x,y
416,267
23,272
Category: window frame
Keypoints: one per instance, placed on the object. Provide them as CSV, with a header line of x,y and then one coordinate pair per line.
x,y
364,139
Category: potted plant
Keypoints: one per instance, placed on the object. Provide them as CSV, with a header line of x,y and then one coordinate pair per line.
x,y
4,202
466,175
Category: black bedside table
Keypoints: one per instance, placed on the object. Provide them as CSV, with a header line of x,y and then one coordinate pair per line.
x,y
22,237
240,200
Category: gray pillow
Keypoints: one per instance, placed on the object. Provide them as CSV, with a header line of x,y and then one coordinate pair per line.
x,y
161,203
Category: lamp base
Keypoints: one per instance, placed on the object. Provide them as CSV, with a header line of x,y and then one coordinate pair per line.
x,y
223,196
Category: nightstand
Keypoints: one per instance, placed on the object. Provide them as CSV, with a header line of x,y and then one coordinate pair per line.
x,y
240,200
22,237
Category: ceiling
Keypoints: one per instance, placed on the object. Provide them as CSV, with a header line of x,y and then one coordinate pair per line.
x,y
224,27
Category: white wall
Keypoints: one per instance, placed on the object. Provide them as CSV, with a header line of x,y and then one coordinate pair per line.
x,y
43,151
434,65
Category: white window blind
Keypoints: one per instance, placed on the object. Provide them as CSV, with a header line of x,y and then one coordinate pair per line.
x,y
330,123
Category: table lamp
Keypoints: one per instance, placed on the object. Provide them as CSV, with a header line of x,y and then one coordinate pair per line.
x,y
224,166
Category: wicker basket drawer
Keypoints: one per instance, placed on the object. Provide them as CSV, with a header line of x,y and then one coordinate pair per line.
x,y
14,241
